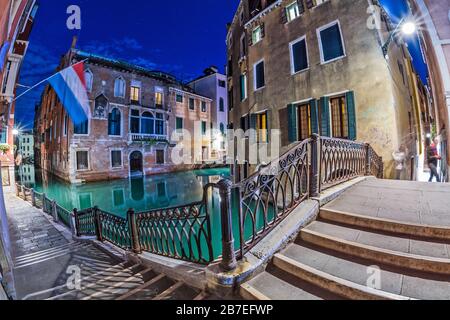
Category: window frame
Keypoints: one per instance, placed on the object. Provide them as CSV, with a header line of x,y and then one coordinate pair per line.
x,y
89,84
294,3
319,38
343,124
111,158
193,104
88,160
120,121
221,104
124,87
253,35
164,156
159,90
82,134
291,52
255,75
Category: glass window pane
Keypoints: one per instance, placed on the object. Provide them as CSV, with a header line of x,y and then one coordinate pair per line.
x,y
299,56
331,43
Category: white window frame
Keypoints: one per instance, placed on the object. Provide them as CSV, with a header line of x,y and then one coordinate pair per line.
x,y
124,87
254,75
295,3
83,135
320,41
90,84
245,86
88,159
253,35
111,159
291,51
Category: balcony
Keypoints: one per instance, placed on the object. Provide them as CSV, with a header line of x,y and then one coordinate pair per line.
x,y
150,138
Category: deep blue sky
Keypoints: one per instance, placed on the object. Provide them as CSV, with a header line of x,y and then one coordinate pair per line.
x,y
180,37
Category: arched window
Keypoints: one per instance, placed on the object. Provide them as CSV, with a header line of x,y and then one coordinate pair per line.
x,y
100,107
89,77
221,105
222,128
119,88
114,121
147,123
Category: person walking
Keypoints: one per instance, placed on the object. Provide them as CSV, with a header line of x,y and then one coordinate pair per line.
x,y
433,158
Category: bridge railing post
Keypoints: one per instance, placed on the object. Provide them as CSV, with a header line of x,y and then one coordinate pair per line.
x,y
33,198
54,211
314,179
77,222
368,166
98,224
134,234
229,262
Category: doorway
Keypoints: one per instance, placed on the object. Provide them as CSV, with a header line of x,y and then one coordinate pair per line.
x,y
136,164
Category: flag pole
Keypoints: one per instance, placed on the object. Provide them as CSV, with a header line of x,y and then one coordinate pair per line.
x,y
41,82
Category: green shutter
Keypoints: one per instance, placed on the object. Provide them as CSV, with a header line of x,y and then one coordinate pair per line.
x,y
314,116
292,123
325,116
253,121
350,96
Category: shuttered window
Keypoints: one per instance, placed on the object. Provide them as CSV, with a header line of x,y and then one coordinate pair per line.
x,y
259,75
304,122
331,43
339,119
243,87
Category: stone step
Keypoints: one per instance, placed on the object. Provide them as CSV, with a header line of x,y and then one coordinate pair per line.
x,y
386,225
355,278
380,248
64,246
38,254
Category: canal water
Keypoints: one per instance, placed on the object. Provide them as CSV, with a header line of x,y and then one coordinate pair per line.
x,y
143,194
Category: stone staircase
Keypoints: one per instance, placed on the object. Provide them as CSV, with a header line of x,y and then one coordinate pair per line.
x,y
349,256
105,278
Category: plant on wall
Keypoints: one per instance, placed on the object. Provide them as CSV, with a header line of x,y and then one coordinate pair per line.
x,y
4,148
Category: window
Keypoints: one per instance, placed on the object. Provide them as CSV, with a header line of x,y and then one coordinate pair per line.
x,y
179,123
258,70
66,124
204,128
243,46
243,86
292,11
330,42
179,98
256,35
222,128
81,129
299,55
114,120
339,118
82,160
135,92
262,128
119,88
191,104
4,134
203,106
222,83
159,98
304,122
160,157
135,121
89,77
159,124
147,123
116,159
245,125
221,105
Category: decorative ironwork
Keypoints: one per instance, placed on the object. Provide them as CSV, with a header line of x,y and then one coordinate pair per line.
x,y
375,163
47,205
269,195
63,215
340,161
182,233
114,229
85,222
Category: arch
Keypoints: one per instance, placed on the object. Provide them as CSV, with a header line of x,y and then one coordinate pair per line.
x,y
115,122
89,78
147,123
119,87
136,164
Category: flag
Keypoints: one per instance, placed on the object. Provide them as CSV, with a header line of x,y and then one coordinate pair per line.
x,y
70,86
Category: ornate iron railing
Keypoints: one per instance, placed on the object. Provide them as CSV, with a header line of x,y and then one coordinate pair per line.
x,y
340,161
269,195
182,232
258,204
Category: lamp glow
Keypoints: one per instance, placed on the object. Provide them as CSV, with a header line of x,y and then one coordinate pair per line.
x,y
15,132
408,28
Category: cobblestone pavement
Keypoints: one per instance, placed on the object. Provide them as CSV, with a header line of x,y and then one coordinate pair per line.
x,y
30,230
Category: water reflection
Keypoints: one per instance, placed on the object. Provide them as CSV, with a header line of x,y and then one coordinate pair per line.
x,y
118,196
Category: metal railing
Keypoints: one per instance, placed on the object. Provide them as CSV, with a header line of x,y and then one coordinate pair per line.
x,y
258,204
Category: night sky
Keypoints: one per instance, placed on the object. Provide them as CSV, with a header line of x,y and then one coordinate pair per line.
x,y
180,37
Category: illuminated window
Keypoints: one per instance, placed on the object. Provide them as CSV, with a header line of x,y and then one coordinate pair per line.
x,y
339,117
257,35
159,98
292,11
262,127
304,122
135,92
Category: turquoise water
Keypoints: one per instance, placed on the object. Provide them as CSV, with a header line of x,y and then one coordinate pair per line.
x,y
150,193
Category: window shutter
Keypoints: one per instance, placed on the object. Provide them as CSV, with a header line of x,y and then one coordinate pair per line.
x,y
325,116
314,116
268,117
253,137
283,18
301,7
310,3
292,123
350,97
263,30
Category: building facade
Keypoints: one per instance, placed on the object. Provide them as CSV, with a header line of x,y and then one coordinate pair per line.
x,y
434,18
16,23
214,85
134,113
25,146
307,67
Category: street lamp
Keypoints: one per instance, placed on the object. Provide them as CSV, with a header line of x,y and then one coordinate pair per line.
x,y
15,132
406,26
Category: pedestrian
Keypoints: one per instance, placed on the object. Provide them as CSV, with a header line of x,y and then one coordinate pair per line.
x,y
433,158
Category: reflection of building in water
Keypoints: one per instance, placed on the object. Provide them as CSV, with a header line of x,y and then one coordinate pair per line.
x,y
25,147
26,174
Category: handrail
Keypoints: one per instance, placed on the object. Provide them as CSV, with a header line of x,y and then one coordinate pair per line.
x,y
261,201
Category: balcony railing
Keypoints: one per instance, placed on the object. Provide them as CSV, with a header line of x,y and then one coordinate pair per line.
x,y
140,137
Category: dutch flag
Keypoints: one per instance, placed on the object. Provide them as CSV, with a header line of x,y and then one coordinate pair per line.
x,y
70,86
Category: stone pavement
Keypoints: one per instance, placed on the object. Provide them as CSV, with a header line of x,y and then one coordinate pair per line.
x,y
405,201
